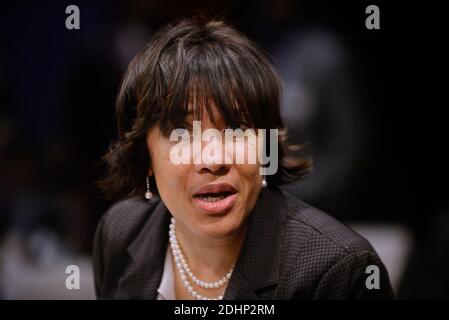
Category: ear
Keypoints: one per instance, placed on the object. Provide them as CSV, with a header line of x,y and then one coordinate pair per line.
x,y
150,172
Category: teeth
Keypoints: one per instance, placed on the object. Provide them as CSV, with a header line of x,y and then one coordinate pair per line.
x,y
213,199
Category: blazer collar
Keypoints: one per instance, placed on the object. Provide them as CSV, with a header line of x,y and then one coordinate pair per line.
x,y
147,252
257,266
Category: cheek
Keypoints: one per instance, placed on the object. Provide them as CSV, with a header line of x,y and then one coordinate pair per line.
x,y
167,174
250,177
249,172
171,179
159,159
240,151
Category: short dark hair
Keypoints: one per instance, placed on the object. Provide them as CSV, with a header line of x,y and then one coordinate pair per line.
x,y
193,59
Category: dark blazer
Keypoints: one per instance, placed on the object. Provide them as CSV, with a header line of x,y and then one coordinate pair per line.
x,y
291,251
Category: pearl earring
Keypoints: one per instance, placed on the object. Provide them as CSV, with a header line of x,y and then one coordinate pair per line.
x,y
148,194
264,183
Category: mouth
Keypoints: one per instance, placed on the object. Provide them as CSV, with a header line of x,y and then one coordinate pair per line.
x,y
215,198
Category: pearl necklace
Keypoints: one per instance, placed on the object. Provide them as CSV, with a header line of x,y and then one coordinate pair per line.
x,y
186,273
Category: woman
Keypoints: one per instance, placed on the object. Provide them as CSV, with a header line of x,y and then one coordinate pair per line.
x,y
211,228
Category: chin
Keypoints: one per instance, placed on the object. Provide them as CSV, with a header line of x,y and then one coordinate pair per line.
x,y
219,227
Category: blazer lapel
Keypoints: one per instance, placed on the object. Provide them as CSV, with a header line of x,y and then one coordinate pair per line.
x,y
256,272
147,252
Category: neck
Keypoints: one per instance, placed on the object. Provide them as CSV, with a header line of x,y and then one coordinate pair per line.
x,y
210,259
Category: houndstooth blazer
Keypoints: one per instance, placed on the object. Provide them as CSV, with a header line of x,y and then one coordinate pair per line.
x,y
291,251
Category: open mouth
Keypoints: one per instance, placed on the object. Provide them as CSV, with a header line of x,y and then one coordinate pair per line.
x,y
215,198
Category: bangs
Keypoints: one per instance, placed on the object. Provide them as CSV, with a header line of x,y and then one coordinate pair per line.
x,y
205,74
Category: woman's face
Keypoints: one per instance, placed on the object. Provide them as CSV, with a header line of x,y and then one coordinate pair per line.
x,y
207,200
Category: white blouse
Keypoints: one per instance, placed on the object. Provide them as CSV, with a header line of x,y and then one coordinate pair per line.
x,y
166,290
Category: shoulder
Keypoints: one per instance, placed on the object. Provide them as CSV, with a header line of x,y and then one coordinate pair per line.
x,y
321,228
324,258
116,230
124,219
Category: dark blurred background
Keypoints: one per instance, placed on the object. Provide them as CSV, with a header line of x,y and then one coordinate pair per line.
x,y
367,105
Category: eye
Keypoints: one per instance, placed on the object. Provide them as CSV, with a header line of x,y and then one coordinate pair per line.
x,y
241,126
187,126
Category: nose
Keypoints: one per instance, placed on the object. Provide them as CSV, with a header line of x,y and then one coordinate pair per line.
x,y
211,159
213,168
